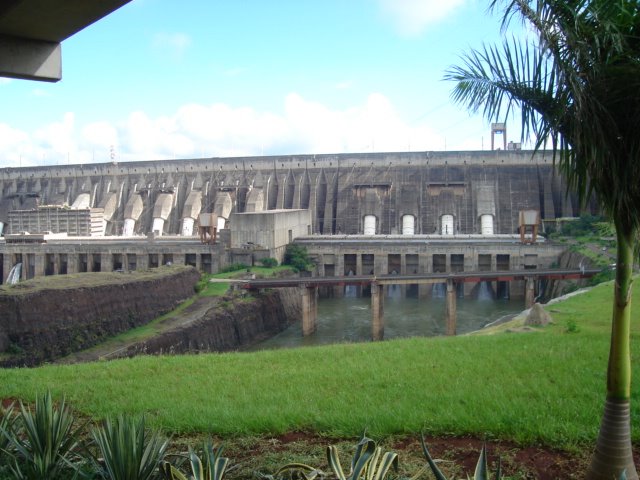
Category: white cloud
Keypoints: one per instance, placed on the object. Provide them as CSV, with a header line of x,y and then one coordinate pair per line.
x,y
172,44
412,17
39,92
195,130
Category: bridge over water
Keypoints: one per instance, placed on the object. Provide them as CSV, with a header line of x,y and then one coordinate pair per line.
x,y
309,288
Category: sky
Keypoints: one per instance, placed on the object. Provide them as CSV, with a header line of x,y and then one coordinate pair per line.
x,y
167,79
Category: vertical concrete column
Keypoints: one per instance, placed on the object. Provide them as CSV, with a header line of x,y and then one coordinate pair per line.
x,y
377,312
424,266
451,307
73,260
142,262
380,264
403,271
358,264
529,292
338,290
39,265
309,309
7,265
56,264
106,262
198,262
494,262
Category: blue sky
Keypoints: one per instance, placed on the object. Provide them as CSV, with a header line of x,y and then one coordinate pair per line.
x,y
160,79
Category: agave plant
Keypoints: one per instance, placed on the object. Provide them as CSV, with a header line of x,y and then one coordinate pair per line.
x,y
128,450
481,472
295,471
42,443
7,419
213,468
368,462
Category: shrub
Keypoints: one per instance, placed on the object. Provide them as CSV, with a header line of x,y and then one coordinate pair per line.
x,y
269,262
201,284
298,257
234,267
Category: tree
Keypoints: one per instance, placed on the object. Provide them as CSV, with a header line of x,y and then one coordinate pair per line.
x,y
577,85
298,257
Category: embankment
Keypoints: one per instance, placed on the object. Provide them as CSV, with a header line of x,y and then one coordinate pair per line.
x,y
49,317
229,323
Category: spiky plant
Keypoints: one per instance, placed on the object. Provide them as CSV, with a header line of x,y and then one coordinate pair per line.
x,y
482,468
43,443
213,468
127,450
367,463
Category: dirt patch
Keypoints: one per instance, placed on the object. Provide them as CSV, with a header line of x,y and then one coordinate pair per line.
x,y
455,456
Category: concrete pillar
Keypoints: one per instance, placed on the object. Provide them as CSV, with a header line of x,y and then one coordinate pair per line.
x,y
529,292
451,307
7,265
377,312
198,262
403,271
380,264
56,264
73,260
106,262
424,267
358,264
338,290
142,262
39,265
309,309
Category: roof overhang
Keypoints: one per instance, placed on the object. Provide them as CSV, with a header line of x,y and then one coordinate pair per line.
x,y
31,32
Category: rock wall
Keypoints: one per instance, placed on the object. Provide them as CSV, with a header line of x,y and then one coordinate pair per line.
x,y
41,321
569,259
233,322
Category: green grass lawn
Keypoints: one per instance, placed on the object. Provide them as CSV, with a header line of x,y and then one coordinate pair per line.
x,y
546,387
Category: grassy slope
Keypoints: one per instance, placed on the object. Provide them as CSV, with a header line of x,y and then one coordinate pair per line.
x,y
544,387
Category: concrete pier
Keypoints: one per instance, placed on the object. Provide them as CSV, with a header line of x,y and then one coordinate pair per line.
x,y
377,311
309,309
529,292
451,308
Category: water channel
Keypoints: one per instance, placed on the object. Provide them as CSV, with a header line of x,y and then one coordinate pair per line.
x,y
348,319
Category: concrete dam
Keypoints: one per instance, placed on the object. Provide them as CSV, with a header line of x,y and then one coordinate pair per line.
x,y
340,191
405,212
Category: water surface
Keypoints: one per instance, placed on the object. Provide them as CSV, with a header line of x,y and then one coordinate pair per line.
x,y
348,319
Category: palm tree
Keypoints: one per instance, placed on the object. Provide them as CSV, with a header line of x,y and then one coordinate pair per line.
x,y
577,86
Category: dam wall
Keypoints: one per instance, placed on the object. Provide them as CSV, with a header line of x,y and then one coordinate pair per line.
x,y
376,193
